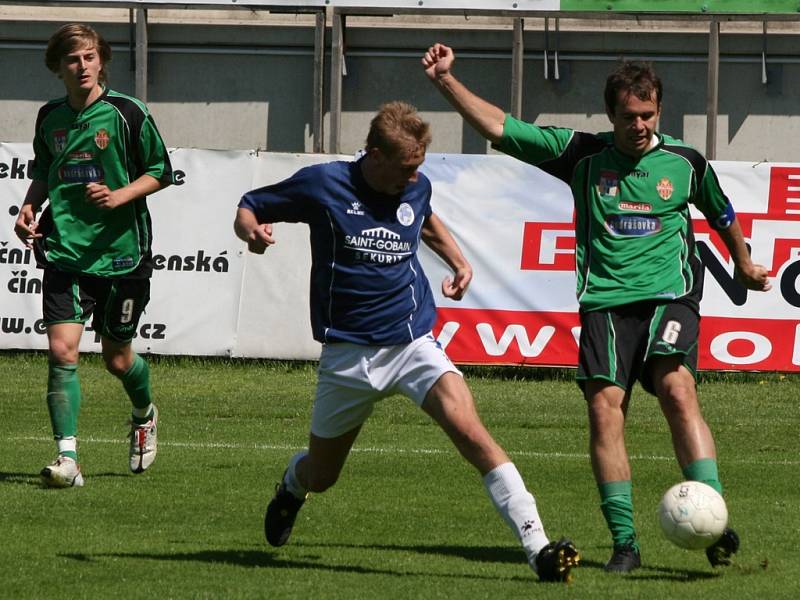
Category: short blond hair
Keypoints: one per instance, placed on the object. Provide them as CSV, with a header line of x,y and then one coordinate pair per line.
x,y
397,128
71,37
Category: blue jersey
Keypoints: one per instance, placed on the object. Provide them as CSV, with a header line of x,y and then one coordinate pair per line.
x,y
367,285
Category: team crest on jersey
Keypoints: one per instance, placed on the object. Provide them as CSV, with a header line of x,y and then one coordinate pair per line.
x,y
608,184
101,138
59,140
405,214
664,188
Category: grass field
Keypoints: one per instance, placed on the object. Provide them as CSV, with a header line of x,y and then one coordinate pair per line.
x,y
408,519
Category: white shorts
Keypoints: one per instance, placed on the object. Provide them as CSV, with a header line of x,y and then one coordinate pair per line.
x,y
352,377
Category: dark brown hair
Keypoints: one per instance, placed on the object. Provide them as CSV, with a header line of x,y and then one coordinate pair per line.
x,y
632,77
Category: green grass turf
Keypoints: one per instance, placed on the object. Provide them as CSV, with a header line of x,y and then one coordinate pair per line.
x,y
408,519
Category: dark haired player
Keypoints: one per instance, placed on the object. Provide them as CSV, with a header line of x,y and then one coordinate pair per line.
x,y
639,276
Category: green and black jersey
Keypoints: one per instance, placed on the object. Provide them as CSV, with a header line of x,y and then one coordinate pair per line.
x,y
633,230
114,141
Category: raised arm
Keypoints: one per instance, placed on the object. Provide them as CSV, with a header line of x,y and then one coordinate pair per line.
x,y
749,274
437,237
485,117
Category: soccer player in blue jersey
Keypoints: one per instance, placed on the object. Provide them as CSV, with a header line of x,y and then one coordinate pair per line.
x,y
639,276
373,310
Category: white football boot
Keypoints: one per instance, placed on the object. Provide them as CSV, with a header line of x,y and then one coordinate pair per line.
x,y
144,443
61,473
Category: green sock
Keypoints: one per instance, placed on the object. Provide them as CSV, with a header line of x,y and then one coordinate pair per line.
x,y
137,384
64,401
704,470
616,502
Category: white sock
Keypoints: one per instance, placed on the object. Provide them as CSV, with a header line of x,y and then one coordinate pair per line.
x,y
142,413
290,479
517,506
67,444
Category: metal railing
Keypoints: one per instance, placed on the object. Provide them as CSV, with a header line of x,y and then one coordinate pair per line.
x,y
336,12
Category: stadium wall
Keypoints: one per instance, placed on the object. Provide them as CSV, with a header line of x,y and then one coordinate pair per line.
x,y
244,79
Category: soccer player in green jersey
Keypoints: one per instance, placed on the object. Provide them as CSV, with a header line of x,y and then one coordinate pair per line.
x,y
97,155
639,276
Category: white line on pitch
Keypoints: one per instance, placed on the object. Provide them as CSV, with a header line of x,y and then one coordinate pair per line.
x,y
390,450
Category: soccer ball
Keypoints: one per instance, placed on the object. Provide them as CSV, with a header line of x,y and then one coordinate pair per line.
x,y
692,515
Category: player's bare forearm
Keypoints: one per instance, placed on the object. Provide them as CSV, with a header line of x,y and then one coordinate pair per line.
x,y
438,238
104,197
484,116
749,274
247,228
26,224
245,223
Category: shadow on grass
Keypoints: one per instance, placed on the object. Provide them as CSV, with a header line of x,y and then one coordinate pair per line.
x,y
491,554
32,479
262,559
505,554
20,478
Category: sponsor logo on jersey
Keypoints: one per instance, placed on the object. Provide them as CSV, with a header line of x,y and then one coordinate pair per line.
x,y
123,262
378,245
355,209
59,140
632,225
80,156
81,173
608,184
101,138
635,206
405,214
664,188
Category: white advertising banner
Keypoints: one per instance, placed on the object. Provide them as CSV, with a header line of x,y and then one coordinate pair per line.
x,y
196,284
516,226
513,222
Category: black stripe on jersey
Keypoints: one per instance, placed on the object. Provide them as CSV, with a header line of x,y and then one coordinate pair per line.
x,y
587,219
47,109
697,160
133,118
694,158
44,112
579,147
697,271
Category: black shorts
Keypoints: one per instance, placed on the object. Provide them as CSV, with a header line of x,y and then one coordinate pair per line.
x,y
617,344
116,303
